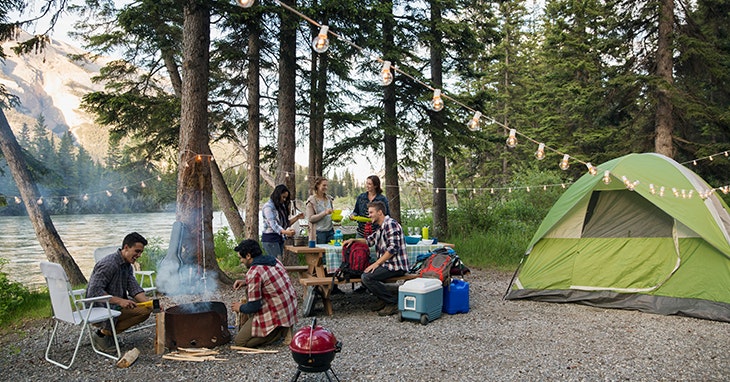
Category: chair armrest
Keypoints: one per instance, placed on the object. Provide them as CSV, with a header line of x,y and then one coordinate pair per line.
x,y
146,273
78,292
103,298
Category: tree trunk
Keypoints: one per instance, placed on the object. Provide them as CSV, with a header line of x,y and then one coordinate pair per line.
x,y
664,120
254,118
228,205
46,233
440,223
287,108
194,189
287,100
318,104
392,188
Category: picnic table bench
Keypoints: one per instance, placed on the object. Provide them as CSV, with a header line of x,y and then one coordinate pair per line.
x,y
324,285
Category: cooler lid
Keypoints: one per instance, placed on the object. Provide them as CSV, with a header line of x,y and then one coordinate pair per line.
x,y
420,285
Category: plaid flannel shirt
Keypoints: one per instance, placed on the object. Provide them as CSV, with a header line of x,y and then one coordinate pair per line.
x,y
114,276
271,285
389,238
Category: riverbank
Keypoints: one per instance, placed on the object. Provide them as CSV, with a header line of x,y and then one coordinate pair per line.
x,y
496,341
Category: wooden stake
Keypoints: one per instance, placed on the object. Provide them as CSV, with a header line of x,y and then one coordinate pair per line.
x,y
160,333
128,358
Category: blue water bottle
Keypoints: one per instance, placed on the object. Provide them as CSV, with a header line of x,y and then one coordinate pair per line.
x,y
338,238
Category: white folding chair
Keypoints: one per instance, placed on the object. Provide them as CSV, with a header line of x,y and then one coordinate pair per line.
x,y
142,276
67,308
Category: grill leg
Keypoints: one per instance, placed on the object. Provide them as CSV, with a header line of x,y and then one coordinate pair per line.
x,y
296,375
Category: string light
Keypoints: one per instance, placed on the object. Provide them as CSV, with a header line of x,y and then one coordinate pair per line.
x,y
142,184
606,177
39,201
661,191
245,3
159,178
564,164
386,74
124,190
512,139
17,200
675,192
321,42
473,123
108,193
540,153
591,169
652,189
437,103
65,200
86,197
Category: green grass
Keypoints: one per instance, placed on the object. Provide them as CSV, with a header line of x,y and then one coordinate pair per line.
x,y
36,305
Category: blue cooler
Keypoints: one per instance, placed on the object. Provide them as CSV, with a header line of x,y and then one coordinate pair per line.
x,y
420,299
456,297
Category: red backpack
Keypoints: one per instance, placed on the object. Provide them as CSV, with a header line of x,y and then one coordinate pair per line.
x,y
438,266
355,258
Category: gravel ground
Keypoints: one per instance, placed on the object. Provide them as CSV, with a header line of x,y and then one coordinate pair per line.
x,y
496,341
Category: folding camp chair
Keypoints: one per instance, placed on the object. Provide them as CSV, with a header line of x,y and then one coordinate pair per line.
x,y
69,308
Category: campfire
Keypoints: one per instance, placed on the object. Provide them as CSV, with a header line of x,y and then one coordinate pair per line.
x,y
197,324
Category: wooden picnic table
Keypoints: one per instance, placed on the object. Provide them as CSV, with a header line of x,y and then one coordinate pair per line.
x,y
316,277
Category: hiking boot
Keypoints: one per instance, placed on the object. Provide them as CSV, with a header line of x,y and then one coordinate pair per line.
x,y
377,306
388,310
104,344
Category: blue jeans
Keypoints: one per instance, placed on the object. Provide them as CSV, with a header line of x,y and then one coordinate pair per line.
x,y
374,282
273,248
324,237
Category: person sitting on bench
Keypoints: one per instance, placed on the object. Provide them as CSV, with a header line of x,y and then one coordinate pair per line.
x,y
390,247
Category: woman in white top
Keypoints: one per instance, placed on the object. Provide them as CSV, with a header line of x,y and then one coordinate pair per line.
x,y
319,211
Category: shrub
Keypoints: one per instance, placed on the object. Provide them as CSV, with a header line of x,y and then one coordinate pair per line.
x,y
224,243
12,294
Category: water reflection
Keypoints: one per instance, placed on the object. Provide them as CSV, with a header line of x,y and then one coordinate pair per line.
x,y
81,234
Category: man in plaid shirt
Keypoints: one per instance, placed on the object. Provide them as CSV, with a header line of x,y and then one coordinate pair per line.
x,y
272,301
390,247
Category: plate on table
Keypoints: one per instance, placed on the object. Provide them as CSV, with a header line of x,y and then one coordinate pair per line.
x,y
361,219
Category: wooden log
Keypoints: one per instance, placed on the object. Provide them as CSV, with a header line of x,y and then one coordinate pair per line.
x,y
128,358
243,348
160,333
179,358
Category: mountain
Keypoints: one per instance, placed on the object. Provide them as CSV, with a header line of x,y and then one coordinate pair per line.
x,y
51,84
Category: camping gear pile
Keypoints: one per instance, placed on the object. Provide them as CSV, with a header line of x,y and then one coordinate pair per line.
x,y
645,233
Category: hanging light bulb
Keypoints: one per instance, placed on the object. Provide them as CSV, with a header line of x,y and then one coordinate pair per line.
x,y
691,192
455,193
17,200
245,3
544,187
509,190
625,180
437,103
652,189
437,190
474,191
142,184
675,192
684,194
606,177
473,123
65,200
661,191
591,169
198,158
491,191
540,153
512,138
694,162
632,186
527,189
124,190
108,193
726,154
39,201
564,162
159,178
86,197
321,42
710,158
386,74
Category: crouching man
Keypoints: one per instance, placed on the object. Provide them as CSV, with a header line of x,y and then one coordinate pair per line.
x,y
272,301
113,275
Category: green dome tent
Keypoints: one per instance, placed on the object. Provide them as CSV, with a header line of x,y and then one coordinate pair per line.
x,y
652,239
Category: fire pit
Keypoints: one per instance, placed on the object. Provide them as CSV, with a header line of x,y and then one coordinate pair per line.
x,y
198,324
313,349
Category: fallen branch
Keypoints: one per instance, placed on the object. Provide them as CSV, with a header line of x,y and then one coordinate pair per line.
x,y
253,350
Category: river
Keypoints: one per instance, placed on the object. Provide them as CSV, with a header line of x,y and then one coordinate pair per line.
x,y
81,234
